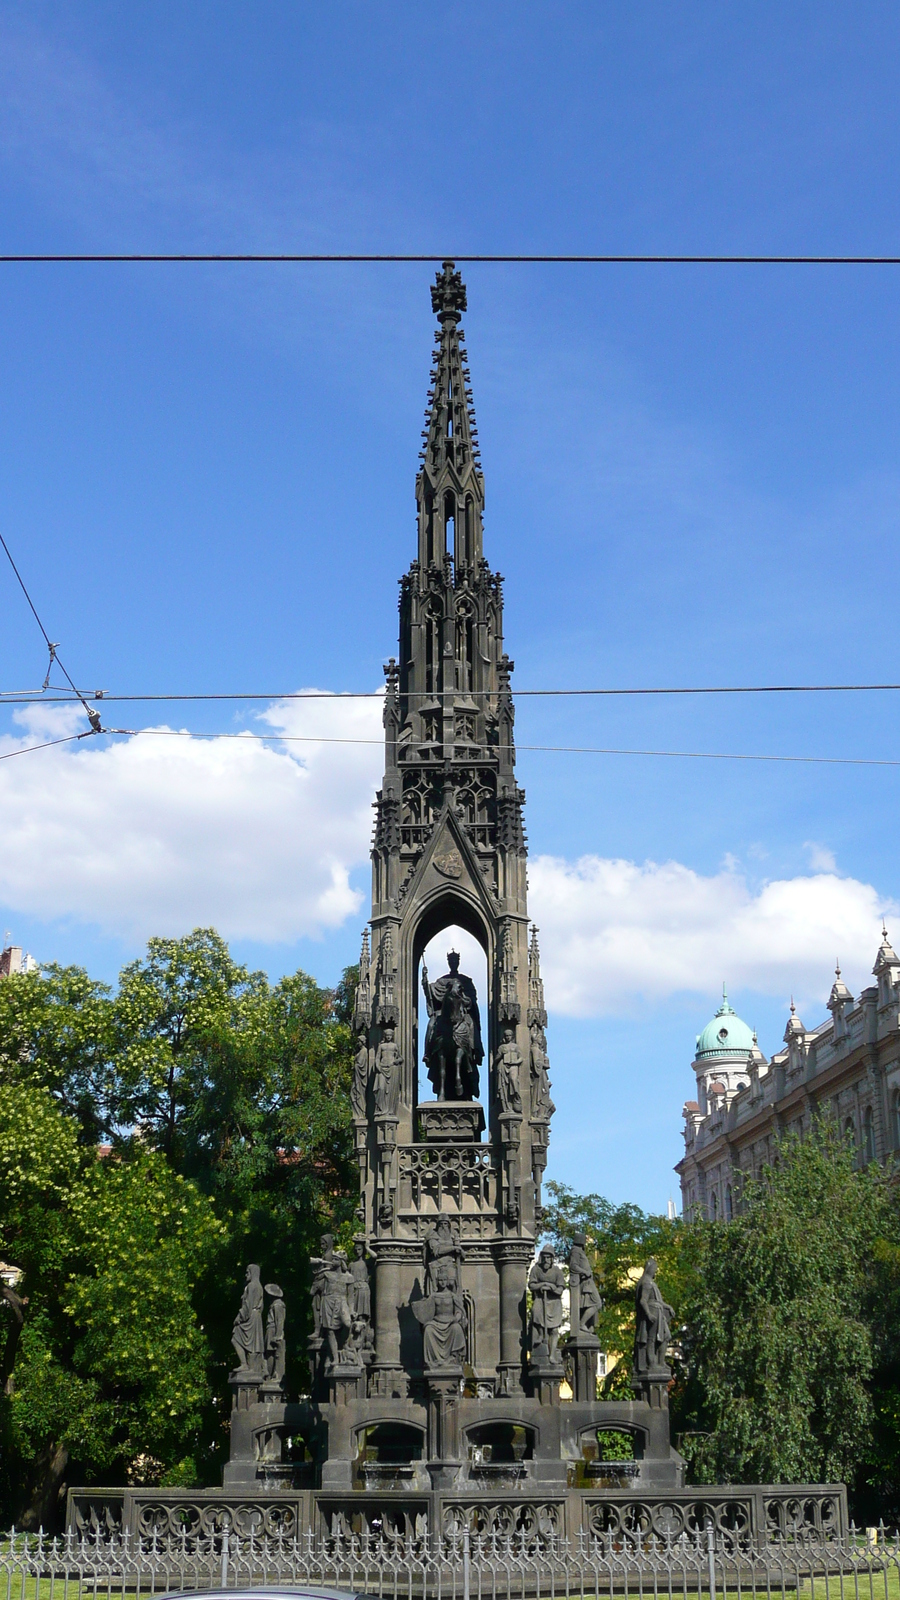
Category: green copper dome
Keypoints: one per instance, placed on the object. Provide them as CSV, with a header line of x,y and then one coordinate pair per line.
x,y
726,1035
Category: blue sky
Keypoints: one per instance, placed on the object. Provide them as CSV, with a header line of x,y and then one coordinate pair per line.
x,y
206,475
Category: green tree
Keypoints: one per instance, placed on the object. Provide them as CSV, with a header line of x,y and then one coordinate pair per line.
x,y
110,1370
778,1346
56,1029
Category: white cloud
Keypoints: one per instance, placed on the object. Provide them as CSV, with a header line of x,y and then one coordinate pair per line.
x,y
157,834
614,932
821,859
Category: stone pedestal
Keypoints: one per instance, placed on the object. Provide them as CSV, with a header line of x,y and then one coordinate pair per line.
x,y
653,1387
451,1122
582,1350
545,1378
346,1383
443,1384
245,1388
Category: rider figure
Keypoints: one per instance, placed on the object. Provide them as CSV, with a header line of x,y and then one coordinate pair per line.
x,y
453,1048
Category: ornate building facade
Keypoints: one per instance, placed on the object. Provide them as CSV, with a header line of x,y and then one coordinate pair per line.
x,y
847,1068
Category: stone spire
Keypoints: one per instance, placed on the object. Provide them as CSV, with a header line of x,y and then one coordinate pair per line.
x,y
450,485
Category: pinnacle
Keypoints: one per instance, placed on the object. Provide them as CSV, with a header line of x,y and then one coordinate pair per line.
x,y
448,294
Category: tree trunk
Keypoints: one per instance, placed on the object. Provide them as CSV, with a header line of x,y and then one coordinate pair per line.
x,y
43,1506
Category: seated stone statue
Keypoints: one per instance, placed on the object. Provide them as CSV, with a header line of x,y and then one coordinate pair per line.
x,y
442,1316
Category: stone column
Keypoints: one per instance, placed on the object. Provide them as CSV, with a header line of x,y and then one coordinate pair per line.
x,y
388,1376
513,1256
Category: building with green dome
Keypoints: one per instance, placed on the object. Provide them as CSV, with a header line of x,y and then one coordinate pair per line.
x,y
847,1068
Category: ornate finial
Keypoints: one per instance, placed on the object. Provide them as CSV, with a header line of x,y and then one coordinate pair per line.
x,y
793,1007
837,966
448,294
884,930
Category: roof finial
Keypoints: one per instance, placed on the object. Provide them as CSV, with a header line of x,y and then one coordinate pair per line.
x,y
793,1007
837,966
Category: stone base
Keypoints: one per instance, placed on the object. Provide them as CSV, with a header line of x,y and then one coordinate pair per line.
x,y
544,1379
582,1349
451,1122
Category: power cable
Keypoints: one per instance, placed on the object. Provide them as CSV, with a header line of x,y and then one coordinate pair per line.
x,y
28,696
349,258
549,749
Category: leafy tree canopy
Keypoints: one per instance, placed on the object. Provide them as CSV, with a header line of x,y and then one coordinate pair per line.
x,y
223,1104
778,1315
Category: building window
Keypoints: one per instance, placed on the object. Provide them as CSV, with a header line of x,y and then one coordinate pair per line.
x,y
715,1206
895,1118
850,1130
869,1135
729,1208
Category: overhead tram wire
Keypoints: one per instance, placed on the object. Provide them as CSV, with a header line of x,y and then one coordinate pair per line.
x,y
548,749
29,696
92,715
508,259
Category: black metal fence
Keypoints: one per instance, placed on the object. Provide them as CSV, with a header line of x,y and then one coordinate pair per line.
x,y
711,1565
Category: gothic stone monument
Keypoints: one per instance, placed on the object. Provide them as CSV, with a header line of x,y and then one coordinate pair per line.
x,y
438,1354
434,1374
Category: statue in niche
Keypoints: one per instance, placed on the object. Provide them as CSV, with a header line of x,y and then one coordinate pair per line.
x,y
542,1107
360,1290
360,1080
584,1297
652,1329
247,1333
442,1315
387,1076
453,1048
547,1285
442,1250
275,1345
507,1064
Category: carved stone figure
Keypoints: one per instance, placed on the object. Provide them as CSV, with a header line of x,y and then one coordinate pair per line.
x,y
584,1297
361,1342
442,1250
547,1284
507,1067
442,1315
652,1324
387,1076
542,1107
360,1080
320,1266
334,1315
275,1346
247,1334
360,1291
453,1048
